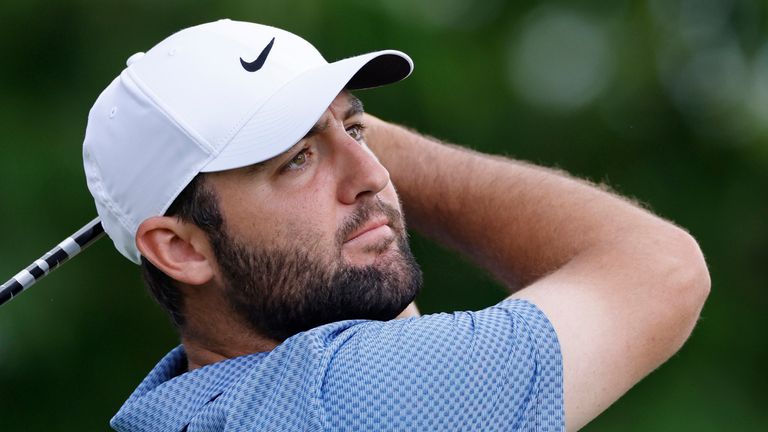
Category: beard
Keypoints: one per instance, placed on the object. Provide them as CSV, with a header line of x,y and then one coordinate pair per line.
x,y
279,292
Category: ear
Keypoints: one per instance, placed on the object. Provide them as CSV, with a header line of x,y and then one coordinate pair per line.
x,y
180,249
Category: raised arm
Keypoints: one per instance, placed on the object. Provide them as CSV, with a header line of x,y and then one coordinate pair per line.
x,y
622,287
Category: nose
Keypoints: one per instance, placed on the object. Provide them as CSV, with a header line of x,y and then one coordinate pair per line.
x,y
359,171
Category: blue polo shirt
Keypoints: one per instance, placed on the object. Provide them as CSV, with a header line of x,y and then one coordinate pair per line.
x,y
498,369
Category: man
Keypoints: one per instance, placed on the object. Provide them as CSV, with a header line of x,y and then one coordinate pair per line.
x,y
232,162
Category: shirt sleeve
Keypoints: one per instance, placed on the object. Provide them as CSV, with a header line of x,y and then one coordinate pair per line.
x,y
498,369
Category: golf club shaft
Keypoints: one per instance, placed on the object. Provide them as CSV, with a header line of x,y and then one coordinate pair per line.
x,y
65,250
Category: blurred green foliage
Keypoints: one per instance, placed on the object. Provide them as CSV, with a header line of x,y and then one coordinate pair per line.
x,y
665,100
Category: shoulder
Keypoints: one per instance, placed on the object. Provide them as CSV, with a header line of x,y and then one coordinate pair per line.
x,y
482,369
511,322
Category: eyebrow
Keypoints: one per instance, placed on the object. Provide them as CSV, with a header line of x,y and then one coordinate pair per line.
x,y
316,129
355,108
259,166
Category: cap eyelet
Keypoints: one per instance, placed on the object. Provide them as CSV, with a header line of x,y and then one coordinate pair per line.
x,y
112,112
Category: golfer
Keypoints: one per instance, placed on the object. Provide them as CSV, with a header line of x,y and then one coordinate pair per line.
x,y
233,164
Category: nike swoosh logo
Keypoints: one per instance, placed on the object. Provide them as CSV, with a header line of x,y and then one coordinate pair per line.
x,y
259,62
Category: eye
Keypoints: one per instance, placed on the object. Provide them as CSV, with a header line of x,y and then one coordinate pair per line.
x,y
356,132
299,161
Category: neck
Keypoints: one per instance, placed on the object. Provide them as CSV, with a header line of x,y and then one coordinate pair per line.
x,y
223,338
200,354
213,332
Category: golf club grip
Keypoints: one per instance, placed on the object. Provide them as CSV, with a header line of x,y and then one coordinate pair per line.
x,y
65,250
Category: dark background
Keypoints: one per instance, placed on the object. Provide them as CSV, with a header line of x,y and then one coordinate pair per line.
x,y
665,100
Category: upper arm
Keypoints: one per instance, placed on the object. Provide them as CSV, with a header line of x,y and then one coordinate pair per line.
x,y
619,313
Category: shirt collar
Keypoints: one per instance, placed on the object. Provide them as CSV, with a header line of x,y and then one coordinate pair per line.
x,y
168,398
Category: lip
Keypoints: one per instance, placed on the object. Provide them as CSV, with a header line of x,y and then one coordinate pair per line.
x,y
373,224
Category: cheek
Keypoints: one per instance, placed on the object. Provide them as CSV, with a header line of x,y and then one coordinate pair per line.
x,y
305,220
279,215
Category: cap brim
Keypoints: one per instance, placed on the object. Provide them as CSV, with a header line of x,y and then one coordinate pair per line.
x,y
291,112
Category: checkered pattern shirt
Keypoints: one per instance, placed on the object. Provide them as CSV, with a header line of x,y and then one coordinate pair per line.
x,y
498,369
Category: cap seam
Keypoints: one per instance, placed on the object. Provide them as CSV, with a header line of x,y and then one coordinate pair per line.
x,y
168,201
169,114
124,220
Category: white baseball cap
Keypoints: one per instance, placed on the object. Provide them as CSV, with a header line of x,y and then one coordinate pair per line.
x,y
212,97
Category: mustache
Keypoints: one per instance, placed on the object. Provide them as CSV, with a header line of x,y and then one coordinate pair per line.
x,y
367,211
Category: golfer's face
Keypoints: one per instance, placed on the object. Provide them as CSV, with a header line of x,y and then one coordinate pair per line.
x,y
311,197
